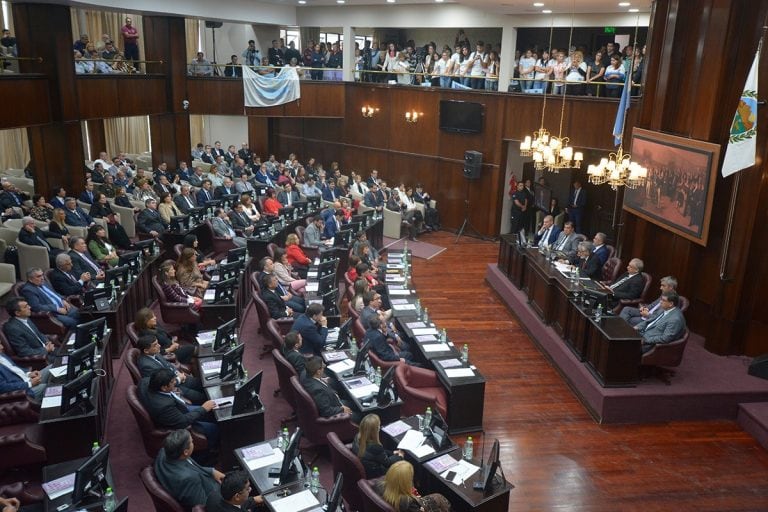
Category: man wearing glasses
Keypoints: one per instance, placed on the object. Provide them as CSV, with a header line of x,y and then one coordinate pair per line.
x,y
667,325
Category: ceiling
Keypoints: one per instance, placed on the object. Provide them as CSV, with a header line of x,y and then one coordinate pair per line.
x,y
503,6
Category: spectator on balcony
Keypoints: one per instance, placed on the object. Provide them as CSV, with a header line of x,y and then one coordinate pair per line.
x,y
200,66
81,43
317,61
275,55
335,61
82,67
614,75
130,40
197,152
292,53
251,55
576,74
595,72
110,52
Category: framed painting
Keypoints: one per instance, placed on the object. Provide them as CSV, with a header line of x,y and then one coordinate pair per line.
x,y
678,191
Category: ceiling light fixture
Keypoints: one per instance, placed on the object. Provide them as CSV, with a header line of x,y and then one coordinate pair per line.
x,y
634,10
547,11
340,1
538,4
390,1
624,4
302,2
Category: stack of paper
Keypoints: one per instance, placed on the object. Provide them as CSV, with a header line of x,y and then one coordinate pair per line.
x,y
360,387
211,367
442,463
312,287
459,372
342,366
299,501
413,441
205,337
436,347
396,428
60,486
52,397
424,330
255,459
464,470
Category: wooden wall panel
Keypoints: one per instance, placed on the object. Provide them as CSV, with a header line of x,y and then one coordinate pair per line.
x,y
416,138
362,131
318,100
101,97
30,95
258,135
215,97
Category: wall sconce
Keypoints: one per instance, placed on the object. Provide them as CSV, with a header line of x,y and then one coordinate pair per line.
x,y
413,116
368,111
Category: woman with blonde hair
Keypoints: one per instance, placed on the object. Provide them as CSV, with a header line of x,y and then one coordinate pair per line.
x,y
374,457
172,289
397,490
285,274
188,273
296,256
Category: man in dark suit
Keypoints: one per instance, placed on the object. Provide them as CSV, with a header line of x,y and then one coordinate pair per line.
x,y
587,262
600,249
149,220
240,220
42,298
30,234
372,199
667,325
288,196
245,153
292,352
567,242
151,361
273,300
11,197
234,494
377,336
23,335
630,284
547,235
313,327
205,193
59,195
333,224
82,261
634,316
226,189
64,281
168,410
76,216
327,401
184,479
163,186
14,378
267,268
185,201
577,202
87,195
330,192
218,151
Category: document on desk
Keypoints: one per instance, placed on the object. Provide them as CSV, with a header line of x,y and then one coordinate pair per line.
x,y
415,325
396,428
313,287
450,363
424,330
263,461
312,274
333,335
411,440
464,470
399,301
395,266
341,366
399,292
205,337
334,356
436,347
360,386
58,371
215,278
210,295
394,278
423,338
459,372
442,463
404,307
60,486
299,501
211,367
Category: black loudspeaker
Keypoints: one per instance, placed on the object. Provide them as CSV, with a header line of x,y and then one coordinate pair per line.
x,y
213,24
759,367
473,162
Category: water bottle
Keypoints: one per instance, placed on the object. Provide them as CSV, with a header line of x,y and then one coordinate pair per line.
x,y
425,316
428,417
465,353
109,500
443,336
352,347
95,447
418,307
314,481
114,294
285,439
405,252
599,312
377,379
469,448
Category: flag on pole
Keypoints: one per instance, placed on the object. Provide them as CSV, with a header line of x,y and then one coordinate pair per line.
x,y
618,125
742,143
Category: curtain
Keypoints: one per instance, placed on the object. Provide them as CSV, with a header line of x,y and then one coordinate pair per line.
x,y
192,30
98,23
7,23
127,134
197,129
14,148
308,34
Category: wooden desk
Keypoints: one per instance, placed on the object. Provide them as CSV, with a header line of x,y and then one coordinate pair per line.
x,y
54,471
539,276
614,352
577,328
236,430
260,478
512,260
466,397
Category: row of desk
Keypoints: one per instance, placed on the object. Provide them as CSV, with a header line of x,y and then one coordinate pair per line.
x,y
609,347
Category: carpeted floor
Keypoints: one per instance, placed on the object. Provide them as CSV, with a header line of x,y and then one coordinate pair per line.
x,y
419,249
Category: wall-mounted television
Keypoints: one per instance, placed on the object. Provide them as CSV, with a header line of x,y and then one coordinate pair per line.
x,y
461,116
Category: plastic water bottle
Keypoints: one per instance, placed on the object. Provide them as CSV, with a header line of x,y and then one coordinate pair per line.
x,y
469,448
428,417
405,251
314,481
109,500
285,439
95,447
425,316
377,379
599,312
418,307
465,353
352,347
443,336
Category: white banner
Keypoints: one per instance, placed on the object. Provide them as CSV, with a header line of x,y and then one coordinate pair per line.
x,y
260,91
742,142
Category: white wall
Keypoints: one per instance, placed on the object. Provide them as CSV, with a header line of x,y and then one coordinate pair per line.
x,y
227,129
443,36
231,38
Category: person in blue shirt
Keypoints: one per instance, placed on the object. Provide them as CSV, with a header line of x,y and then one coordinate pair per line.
x,y
14,378
313,327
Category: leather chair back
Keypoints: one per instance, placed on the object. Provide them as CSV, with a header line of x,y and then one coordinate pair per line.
x,y
271,249
647,280
255,285
273,330
177,248
667,355
684,303
299,230
611,270
611,250
178,313
161,499
314,426
133,336
131,360
358,331
419,388
34,362
285,371
346,462
372,502
377,361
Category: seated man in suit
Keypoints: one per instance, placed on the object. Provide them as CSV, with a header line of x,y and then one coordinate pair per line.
x,y
87,195
14,378
82,261
377,336
333,224
567,241
196,178
150,361
149,220
666,325
187,481
267,268
313,327
240,219
169,410
634,316
292,352
185,201
587,262
326,399
164,186
313,235
234,495
76,216
30,234
547,235
205,193
23,335
243,186
372,198
11,198
311,189
273,300
64,281
223,228
288,196
227,188
630,284
600,249
42,298
331,192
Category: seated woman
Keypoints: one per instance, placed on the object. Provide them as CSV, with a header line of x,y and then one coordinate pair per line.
x,y
188,274
191,242
374,457
351,273
100,248
554,208
367,258
360,288
347,209
122,199
57,228
251,209
102,210
167,208
172,289
271,204
146,323
285,274
296,257
41,210
397,489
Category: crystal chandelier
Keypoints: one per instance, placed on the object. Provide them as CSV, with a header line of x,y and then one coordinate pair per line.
x,y
618,170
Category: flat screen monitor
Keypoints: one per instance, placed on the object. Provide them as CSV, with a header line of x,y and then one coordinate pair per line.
x,y
145,245
286,212
314,202
211,205
247,396
369,214
232,364
179,223
342,238
287,468
362,354
326,283
327,255
360,219
461,116
81,360
327,267
237,254
342,342
354,227
225,335
131,260
97,298
228,201
333,502
228,270
76,394
117,277
302,207
384,397
225,291
330,303
277,223
196,215
90,332
261,231
488,473
91,476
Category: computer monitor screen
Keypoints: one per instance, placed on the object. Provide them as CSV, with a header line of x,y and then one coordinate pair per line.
x,y
261,231
131,260
225,334
330,302
211,205
237,254
228,270
327,267
327,256
97,298
179,223
196,215
76,394
232,363
287,467
354,227
247,396
359,219
81,360
360,359
229,200
90,332
314,202
145,245
342,342
326,283
342,238
491,466
333,502
301,207
286,212
225,291
117,277
91,476
384,397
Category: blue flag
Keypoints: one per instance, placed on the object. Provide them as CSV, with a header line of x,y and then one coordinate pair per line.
x,y
618,126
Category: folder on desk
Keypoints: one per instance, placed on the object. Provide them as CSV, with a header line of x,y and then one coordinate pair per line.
x,y
341,366
299,501
424,330
211,367
393,291
396,428
415,325
404,307
205,337
399,301
60,486
442,463
459,372
436,347
210,295
58,371
312,287
264,461
311,274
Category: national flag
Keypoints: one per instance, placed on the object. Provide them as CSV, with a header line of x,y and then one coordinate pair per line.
x,y
618,126
742,143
